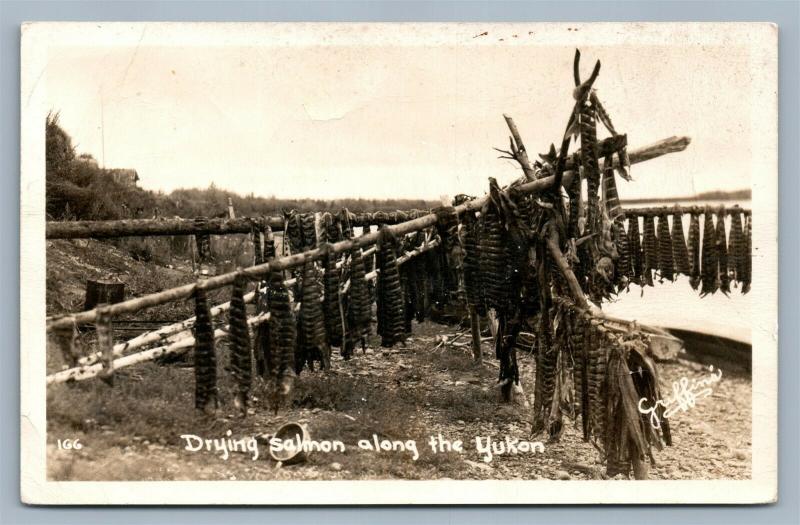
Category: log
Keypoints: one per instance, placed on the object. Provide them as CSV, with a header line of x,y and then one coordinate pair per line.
x,y
292,261
561,261
153,227
87,372
103,292
165,333
180,226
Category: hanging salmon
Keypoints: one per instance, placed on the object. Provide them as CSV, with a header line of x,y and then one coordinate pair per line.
x,y
258,245
359,299
650,249
269,244
635,249
202,240
332,302
472,270
105,344
589,161
266,359
293,232
709,271
596,355
344,221
494,257
333,227
391,320
748,254
666,264
694,251
575,205
241,356
736,247
67,338
722,254
578,350
309,230
283,335
616,216
679,252
205,360
546,361
417,280
312,345
610,194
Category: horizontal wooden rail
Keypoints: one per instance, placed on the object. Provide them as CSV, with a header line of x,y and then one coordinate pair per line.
x,y
92,370
656,211
663,147
216,226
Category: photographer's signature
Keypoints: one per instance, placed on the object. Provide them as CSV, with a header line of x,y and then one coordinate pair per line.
x,y
685,394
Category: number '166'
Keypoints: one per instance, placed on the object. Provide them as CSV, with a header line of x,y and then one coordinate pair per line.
x,y
69,444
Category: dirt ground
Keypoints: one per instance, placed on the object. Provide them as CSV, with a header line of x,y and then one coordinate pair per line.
x,y
132,431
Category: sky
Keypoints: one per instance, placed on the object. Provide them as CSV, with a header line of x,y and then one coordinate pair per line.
x,y
322,120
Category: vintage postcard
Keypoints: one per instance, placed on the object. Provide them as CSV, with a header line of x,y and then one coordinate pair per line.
x,y
354,263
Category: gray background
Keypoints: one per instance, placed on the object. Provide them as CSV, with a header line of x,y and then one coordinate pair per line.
x,y
786,14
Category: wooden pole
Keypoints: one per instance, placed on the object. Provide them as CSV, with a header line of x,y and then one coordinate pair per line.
x,y
165,333
561,261
475,329
683,210
518,149
87,372
180,226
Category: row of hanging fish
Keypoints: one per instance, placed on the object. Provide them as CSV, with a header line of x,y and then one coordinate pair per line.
x,y
335,310
718,259
605,372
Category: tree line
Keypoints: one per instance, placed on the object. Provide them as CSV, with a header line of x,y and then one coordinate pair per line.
x,y
77,188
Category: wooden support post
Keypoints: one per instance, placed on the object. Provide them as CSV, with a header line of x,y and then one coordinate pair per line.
x,y
493,324
475,328
518,149
561,261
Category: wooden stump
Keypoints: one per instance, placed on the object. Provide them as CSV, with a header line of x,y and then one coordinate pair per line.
x,y
99,292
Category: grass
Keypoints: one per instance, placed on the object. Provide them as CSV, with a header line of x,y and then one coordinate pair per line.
x,y
153,403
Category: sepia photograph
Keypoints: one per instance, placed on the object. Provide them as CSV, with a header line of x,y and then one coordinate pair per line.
x,y
399,263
